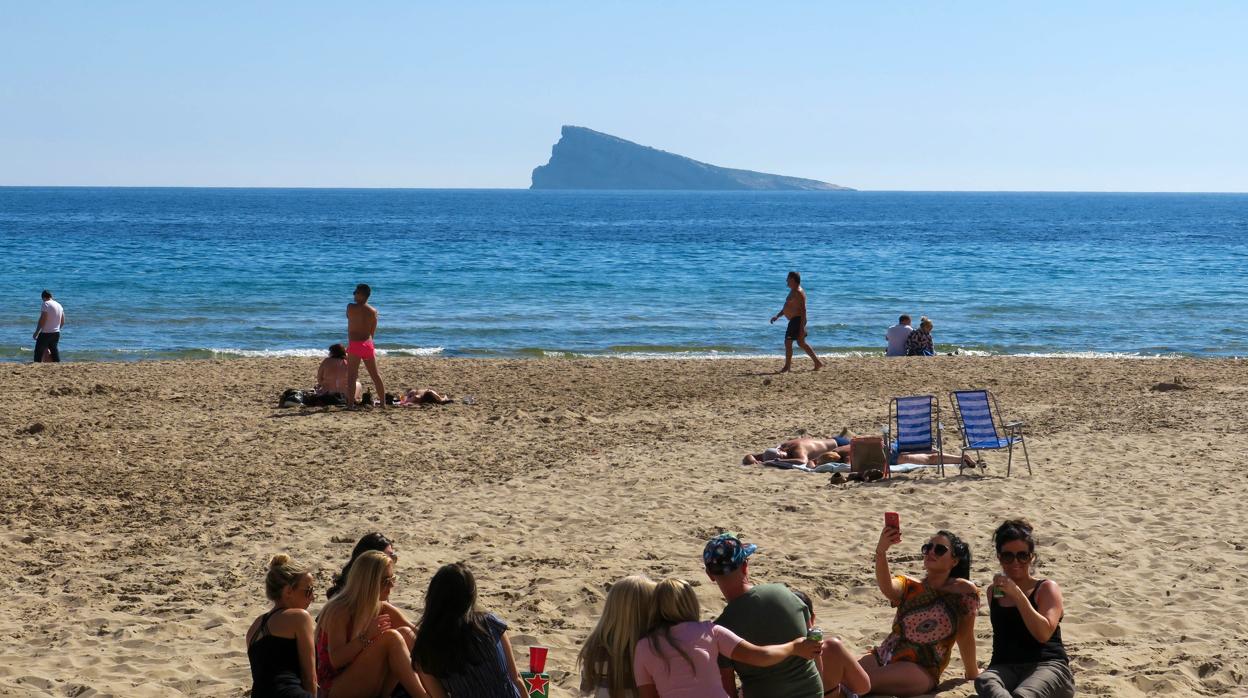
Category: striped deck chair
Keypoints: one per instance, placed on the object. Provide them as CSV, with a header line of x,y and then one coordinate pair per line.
x,y
914,427
975,410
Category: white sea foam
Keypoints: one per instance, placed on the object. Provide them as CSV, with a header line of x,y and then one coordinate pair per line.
x,y
317,353
849,354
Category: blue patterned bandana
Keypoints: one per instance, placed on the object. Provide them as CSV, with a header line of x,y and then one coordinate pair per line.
x,y
726,553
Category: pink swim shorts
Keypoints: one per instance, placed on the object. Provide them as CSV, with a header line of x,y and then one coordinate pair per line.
x,y
363,350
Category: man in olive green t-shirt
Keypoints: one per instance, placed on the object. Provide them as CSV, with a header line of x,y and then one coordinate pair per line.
x,y
767,614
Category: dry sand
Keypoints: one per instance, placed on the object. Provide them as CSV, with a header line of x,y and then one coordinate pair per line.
x,y
135,526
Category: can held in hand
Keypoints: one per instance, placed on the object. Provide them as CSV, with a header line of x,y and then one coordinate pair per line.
x,y
815,634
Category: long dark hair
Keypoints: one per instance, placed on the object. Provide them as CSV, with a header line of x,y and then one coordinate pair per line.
x,y
962,552
372,541
452,632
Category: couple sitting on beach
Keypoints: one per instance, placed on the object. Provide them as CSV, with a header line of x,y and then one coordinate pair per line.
x,y
642,621
362,646
333,377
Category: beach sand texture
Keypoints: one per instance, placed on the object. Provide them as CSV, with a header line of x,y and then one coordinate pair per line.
x,y
136,524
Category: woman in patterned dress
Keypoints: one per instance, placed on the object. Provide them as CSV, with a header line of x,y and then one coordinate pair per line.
x,y
933,613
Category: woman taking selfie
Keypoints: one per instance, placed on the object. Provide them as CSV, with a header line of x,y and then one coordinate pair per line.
x,y
1028,658
932,614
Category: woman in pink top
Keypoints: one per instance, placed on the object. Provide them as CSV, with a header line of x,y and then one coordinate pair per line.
x,y
679,658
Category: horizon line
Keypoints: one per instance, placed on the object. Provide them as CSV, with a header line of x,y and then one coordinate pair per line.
x,y
843,192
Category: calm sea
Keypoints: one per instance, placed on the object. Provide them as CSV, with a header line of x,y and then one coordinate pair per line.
x,y
177,273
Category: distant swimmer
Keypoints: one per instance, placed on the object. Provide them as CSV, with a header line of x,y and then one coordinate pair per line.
x,y
48,332
361,326
795,310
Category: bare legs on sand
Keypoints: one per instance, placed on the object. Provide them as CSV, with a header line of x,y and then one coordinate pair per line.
x,y
353,374
788,354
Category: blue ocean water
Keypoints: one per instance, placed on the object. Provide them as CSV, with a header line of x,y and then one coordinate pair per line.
x,y
174,273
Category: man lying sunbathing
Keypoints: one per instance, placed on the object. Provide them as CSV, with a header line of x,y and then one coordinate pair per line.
x,y
804,451
811,452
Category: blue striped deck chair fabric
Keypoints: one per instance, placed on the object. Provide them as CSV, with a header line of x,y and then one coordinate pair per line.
x,y
914,426
978,414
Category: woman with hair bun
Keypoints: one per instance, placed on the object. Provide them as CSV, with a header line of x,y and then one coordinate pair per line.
x,y
279,643
933,613
919,343
1028,658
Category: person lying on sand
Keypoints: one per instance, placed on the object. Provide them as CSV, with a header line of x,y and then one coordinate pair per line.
x,y
804,451
812,452
424,396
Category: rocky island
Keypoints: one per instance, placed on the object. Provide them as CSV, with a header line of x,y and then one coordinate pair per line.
x,y
587,159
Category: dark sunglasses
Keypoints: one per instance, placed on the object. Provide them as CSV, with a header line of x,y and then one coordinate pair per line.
x,y
937,548
1007,558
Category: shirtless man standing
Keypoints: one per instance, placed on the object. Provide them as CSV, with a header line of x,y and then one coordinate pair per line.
x,y
795,310
361,326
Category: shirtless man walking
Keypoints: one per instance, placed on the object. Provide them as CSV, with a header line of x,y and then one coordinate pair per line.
x,y
361,326
795,310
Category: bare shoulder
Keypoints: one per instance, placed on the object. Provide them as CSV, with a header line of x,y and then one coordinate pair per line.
x,y
255,625
963,586
294,617
1048,589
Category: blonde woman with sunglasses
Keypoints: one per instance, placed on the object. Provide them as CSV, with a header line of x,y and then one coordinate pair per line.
x,y
359,654
1028,658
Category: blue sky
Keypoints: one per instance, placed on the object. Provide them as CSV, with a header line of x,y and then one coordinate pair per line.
x,y
1106,96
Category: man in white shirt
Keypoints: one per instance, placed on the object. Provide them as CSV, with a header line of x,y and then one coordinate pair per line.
x,y
897,335
48,332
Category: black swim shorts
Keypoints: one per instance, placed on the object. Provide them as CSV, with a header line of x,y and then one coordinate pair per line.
x,y
794,331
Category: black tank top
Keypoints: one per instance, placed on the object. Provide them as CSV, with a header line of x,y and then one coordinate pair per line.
x,y
1013,643
275,671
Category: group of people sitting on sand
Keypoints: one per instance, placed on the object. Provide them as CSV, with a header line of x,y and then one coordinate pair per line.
x,y
361,645
651,641
333,380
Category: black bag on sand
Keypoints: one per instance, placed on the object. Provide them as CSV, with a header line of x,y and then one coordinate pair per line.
x,y
324,400
293,397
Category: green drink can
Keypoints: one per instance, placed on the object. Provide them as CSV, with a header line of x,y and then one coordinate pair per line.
x,y
815,634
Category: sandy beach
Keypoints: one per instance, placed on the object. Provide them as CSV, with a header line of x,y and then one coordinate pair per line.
x,y
140,503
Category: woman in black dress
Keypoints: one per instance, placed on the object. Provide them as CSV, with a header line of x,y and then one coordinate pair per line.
x,y
279,643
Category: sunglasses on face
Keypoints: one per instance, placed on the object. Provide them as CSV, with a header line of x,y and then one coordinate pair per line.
x,y
937,548
1007,558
